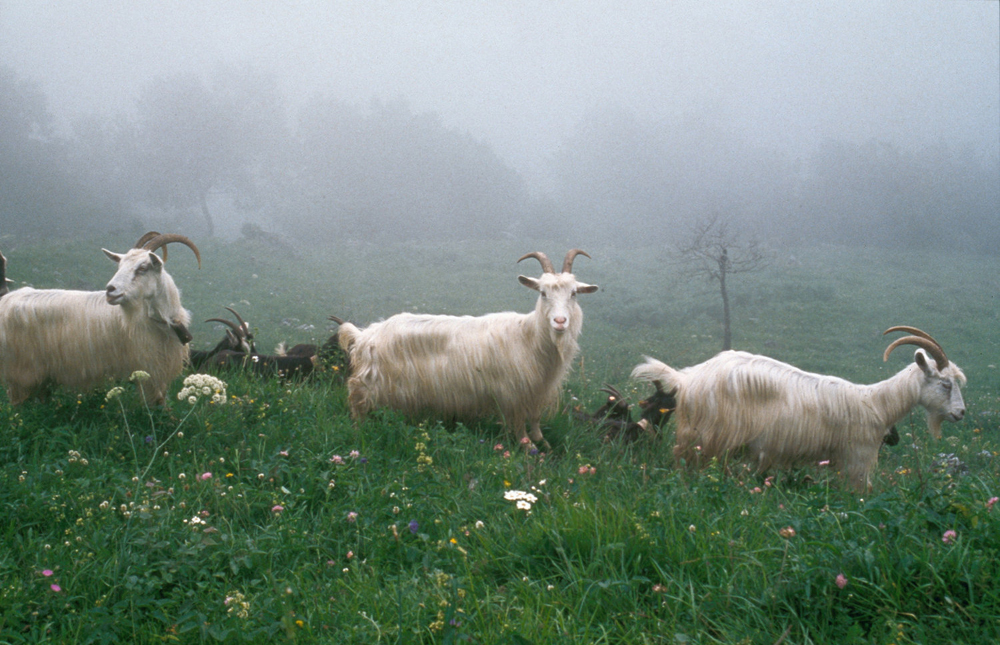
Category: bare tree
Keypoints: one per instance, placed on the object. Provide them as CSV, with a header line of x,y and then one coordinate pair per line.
x,y
715,252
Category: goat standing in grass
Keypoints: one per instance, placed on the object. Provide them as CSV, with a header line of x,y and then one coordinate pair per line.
x,y
781,416
470,367
78,339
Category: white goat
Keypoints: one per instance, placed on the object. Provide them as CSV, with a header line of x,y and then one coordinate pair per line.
x,y
781,416
80,338
468,367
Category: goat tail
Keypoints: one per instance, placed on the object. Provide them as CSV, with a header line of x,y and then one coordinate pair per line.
x,y
659,373
347,335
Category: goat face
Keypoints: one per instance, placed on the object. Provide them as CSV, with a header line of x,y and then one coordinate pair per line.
x,y
940,392
137,278
557,300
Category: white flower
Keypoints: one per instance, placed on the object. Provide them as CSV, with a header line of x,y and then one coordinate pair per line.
x,y
139,376
114,393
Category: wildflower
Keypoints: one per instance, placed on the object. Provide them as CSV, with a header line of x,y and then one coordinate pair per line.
x,y
692,528
949,536
990,502
114,393
498,447
479,524
300,622
350,554
277,508
787,532
205,476
525,441
354,454
413,526
139,376
46,572
283,453
826,462
337,459
841,580
56,588
352,517
197,385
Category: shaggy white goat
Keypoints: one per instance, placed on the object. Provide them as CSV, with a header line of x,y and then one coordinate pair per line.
x,y
781,416
468,367
80,338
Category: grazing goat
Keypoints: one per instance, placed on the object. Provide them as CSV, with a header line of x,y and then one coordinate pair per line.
x,y
781,416
264,364
238,338
469,367
614,418
80,338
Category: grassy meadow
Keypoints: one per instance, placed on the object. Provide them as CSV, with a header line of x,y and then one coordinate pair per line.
x,y
274,518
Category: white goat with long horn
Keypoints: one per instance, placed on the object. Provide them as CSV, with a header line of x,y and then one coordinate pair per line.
x,y
469,367
781,416
80,338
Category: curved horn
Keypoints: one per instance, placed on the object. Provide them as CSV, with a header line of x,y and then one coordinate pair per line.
x,y
911,330
243,323
229,323
339,321
162,240
923,342
570,255
145,238
612,391
541,257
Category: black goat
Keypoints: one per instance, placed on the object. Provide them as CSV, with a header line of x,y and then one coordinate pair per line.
x,y
238,339
614,418
265,364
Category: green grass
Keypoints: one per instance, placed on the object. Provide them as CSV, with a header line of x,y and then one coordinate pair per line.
x,y
111,498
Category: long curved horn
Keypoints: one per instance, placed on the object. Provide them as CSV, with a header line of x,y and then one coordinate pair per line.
x,y
911,330
162,240
609,389
243,323
570,255
541,257
229,323
923,342
339,321
145,238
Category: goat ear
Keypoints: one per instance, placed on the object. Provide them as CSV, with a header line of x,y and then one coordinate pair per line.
x,y
156,262
920,358
586,288
114,256
531,283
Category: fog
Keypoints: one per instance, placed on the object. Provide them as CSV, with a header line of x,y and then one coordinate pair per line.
x,y
828,121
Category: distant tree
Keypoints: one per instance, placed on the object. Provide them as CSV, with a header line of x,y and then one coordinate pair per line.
x,y
197,136
715,252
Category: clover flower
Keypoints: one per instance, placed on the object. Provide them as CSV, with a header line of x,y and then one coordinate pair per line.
x,y
841,581
949,536
990,502
787,532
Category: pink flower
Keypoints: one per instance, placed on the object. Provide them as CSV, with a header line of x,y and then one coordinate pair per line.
x,y
525,441
350,554
949,536
355,454
841,580
826,462
46,572
498,447
990,502
283,453
787,532
583,470
755,490
337,459
55,588
277,508
205,476
506,454
352,517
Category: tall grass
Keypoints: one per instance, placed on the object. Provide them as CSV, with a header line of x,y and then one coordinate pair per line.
x,y
274,517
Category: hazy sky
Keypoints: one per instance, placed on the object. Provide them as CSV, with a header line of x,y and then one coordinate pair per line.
x,y
521,75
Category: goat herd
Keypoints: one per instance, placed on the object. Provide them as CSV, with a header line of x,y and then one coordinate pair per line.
x,y
765,411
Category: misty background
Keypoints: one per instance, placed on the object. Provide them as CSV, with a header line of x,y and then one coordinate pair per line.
x,y
871,123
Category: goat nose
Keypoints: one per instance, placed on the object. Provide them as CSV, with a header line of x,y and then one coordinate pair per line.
x,y
560,320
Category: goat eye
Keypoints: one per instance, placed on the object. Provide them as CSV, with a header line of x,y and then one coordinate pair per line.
x,y
946,385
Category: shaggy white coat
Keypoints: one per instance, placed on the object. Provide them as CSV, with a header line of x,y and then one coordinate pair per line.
x,y
78,339
468,367
780,416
